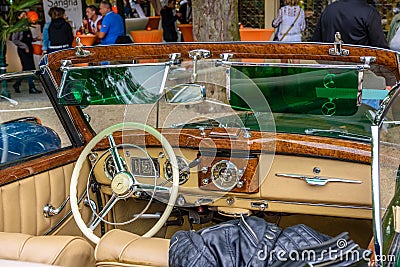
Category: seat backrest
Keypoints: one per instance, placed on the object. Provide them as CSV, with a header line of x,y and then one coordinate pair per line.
x,y
68,251
121,248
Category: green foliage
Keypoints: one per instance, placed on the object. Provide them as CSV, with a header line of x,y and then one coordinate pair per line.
x,y
10,23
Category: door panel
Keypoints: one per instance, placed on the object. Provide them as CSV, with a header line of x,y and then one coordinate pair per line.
x,y
22,202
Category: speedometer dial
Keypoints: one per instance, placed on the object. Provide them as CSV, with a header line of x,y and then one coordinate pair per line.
x,y
224,175
183,167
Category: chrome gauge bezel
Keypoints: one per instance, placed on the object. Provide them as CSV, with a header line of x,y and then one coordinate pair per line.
x,y
183,175
235,174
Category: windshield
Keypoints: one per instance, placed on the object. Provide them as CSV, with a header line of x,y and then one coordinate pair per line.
x,y
111,84
332,100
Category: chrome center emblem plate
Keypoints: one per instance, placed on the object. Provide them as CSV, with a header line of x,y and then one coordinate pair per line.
x,y
122,183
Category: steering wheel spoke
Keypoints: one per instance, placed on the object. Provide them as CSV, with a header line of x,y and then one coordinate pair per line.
x,y
119,165
98,218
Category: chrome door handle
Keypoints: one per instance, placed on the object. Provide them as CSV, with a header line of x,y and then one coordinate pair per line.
x,y
318,180
49,210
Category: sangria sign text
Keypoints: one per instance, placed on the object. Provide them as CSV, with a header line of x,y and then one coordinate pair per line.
x,y
73,10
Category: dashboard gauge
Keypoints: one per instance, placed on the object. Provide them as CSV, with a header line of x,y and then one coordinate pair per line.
x,y
109,167
184,170
145,167
225,175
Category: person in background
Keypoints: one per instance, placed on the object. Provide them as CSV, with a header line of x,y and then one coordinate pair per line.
x,y
23,41
291,22
185,8
112,25
128,9
168,20
157,6
358,23
393,36
94,19
60,32
45,34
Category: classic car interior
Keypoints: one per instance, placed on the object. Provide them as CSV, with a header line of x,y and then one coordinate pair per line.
x,y
161,138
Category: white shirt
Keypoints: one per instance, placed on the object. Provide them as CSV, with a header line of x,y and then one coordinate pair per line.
x,y
286,17
93,24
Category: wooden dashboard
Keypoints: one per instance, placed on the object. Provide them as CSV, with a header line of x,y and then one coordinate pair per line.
x,y
259,163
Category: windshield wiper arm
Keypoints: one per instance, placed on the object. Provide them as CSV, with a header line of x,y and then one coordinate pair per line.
x,y
338,133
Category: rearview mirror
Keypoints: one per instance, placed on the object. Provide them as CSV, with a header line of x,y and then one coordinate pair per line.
x,y
185,93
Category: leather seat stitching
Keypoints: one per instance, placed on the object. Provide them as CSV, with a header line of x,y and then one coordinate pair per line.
x,y
126,246
22,247
65,246
101,241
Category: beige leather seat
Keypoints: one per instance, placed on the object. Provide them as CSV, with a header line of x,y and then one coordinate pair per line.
x,y
120,248
50,250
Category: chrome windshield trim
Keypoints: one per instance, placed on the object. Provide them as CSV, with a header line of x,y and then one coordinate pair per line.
x,y
376,193
68,68
386,104
360,86
289,65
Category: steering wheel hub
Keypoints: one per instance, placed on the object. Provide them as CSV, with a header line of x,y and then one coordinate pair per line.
x,y
122,183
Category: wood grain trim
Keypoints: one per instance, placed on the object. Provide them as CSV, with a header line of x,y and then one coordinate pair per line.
x,y
250,176
29,168
314,51
281,143
79,123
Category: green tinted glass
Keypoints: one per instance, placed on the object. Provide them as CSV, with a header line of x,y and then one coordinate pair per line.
x,y
301,90
103,85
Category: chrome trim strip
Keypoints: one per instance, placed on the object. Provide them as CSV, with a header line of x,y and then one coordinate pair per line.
x,y
164,80
386,104
162,88
376,204
47,70
54,227
287,65
321,205
20,74
228,83
360,87
68,68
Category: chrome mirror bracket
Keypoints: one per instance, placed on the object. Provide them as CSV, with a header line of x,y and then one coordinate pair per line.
x,y
337,49
80,52
197,55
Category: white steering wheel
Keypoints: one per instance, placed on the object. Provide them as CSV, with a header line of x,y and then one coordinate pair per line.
x,y
123,183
